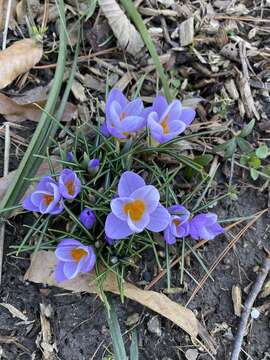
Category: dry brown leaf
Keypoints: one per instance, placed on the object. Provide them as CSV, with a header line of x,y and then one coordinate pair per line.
x,y
17,59
29,107
42,268
43,170
126,34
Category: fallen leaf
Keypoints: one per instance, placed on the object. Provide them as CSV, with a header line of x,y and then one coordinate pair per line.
x,y
28,107
126,34
17,59
43,170
42,268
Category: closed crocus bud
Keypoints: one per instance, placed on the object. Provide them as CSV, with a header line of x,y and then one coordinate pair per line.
x,y
93,166
87,218
70,156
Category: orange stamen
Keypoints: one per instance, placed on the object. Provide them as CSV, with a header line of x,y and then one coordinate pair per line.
x,y
164,124
47,199
176,222
122,116
77,254
70,187
135,209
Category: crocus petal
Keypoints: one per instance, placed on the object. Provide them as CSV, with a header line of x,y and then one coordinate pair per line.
x,y
71,269
183,230
69,241
88,261
104,130
63,253
115,95
114,114
160,105
156,130
187,115
117,206
59,272
28,204
38,196
159,219
180,211
44,184
149,195
134,107
132,123
173,111
138,226
176,127
116,228
128,183
168,236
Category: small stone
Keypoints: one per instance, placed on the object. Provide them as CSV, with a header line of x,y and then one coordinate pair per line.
x,y
154,325
255,313
132,319
191,354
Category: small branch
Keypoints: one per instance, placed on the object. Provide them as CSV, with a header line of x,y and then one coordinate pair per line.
x,y
248,307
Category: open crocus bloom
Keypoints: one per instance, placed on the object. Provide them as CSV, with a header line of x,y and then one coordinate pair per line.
x,y
179,225
45,199
137,208
205,227
122,116
73,258
69,184
167,121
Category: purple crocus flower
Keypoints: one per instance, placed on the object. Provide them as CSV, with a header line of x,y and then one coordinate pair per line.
x,y
179,224
205,227
45,199
122,116
69,184
73,258
166,121
137,208
87,218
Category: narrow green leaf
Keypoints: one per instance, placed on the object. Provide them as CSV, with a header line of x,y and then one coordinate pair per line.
x,y
134,351
117,339
138,21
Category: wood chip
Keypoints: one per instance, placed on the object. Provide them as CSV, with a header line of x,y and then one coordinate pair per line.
x,y
237,299
186,31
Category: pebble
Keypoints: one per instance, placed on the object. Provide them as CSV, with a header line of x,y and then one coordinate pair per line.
x,y
191,354
255,313
154,325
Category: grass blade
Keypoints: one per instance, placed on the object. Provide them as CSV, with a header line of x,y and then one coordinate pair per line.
x,y
134,351
117,340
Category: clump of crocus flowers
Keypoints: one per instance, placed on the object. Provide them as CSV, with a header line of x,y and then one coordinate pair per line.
x,y
164,121
137,205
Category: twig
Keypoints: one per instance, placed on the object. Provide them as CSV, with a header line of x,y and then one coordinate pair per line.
x,y
6,166
248,307
4,44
